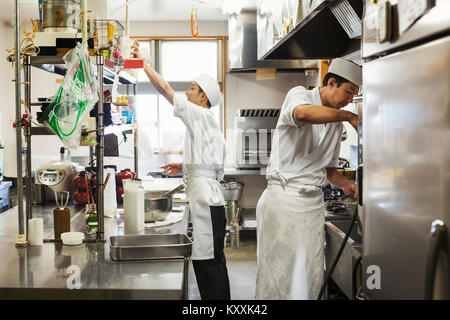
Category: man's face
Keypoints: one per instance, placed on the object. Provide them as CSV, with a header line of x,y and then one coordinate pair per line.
x,y
343,95
194,94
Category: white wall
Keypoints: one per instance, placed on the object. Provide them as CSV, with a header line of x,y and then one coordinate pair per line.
x,y
7,106
7,101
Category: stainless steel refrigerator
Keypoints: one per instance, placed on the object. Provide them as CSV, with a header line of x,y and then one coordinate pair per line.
x,y
406,149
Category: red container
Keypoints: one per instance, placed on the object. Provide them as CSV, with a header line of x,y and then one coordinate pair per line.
x,y
122,175
80,181
81,197
119,194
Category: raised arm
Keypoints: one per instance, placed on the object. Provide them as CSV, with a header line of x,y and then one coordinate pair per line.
x,y
320,114
158,82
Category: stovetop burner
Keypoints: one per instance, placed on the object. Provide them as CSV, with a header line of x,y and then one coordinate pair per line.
x,y
336,208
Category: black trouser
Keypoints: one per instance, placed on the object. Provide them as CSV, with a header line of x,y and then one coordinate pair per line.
x,y
212,275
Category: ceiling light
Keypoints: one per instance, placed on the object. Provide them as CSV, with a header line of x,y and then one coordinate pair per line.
x,y
231,7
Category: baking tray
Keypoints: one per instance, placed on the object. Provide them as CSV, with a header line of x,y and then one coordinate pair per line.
x,y
150,247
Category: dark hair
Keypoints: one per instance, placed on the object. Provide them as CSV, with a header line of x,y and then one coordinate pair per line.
x,y
338,79
207,102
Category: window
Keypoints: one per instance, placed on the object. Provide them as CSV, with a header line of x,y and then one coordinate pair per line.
x,y
178,61
183,60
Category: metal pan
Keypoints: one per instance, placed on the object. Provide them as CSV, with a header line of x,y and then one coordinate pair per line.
x,y
150,247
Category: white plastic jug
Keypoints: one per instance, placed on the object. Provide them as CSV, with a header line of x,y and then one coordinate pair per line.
x,y
110,194
133,206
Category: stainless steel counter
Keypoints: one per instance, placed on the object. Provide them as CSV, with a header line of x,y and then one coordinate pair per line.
x,y
50,270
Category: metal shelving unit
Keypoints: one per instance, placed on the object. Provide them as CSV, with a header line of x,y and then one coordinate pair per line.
x,y
55,64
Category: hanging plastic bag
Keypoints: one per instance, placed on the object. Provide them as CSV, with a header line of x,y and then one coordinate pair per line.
x,y
74,99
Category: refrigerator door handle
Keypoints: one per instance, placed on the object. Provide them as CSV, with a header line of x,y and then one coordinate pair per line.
x,y
438,242
360,185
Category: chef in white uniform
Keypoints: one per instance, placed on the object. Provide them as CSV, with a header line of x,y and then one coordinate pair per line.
x,y
304,157
202,167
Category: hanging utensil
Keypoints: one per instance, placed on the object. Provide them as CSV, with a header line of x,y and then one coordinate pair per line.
x,y
62,194
172,192
107,179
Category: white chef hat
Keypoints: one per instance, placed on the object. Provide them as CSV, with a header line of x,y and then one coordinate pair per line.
x,y
347,70
210,86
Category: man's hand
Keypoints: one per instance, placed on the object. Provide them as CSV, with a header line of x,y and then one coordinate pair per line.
x,y
157,81
173,168
350,189
353,120
136,53
336,178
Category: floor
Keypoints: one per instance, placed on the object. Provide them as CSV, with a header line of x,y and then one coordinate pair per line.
x,y
241,265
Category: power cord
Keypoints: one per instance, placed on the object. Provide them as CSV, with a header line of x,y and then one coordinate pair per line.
x,y
338,255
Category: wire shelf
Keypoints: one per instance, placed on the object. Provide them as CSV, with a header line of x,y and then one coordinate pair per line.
x,y
108,35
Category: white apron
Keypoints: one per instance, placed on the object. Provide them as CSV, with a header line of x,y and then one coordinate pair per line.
x,y
290,237
203,190
290,232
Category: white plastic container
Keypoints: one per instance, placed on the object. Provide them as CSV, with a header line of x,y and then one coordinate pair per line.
x,y
110,203
36,231
133,205
72,238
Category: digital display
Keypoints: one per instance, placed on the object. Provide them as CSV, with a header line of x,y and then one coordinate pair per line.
x,y
50,175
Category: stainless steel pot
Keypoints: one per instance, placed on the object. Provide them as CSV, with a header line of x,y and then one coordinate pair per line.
x,y
232,189
59,15
156,209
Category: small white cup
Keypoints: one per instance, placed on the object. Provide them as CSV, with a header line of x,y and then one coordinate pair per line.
x,y
36,231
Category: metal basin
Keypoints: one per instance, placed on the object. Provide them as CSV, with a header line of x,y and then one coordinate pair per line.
x,y
231,189
335,233
156,209
150,246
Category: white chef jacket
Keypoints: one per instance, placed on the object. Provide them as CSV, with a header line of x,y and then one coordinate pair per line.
x,y
203,158
290,212
301,151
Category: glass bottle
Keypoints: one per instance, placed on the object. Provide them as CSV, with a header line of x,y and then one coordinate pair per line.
x,y
91,222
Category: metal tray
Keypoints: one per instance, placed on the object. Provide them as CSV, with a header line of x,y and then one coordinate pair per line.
x,y
150,247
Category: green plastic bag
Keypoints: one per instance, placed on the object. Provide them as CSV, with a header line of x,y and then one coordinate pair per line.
x,y
74,99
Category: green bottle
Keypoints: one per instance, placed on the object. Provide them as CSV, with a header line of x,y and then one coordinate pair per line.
x,y
91,220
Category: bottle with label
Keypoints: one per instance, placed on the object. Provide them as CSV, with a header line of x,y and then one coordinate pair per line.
x,y
91,220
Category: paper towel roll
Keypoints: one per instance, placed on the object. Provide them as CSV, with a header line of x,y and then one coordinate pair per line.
x,y
36,231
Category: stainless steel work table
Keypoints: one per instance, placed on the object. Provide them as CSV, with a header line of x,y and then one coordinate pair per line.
x,y
44,272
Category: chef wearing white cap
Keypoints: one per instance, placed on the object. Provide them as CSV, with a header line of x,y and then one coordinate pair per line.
x,y
202,167
304,157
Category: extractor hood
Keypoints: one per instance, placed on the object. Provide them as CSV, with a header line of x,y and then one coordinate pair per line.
x,y
242,47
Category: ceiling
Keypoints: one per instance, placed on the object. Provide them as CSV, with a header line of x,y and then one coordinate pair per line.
x,y
139,10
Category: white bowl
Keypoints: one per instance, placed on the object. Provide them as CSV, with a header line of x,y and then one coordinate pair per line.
x,y
72,238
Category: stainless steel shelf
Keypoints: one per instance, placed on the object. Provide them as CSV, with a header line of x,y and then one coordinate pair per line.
x,y
44,131
55,64
41,131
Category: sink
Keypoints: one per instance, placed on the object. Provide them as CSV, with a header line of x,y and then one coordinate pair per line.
x,y
335,232
343,225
